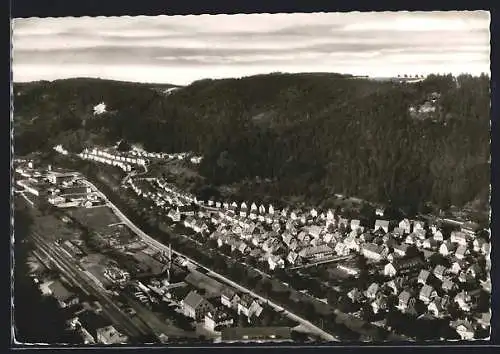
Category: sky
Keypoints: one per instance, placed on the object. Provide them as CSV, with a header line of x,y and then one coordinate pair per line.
x,y
182,49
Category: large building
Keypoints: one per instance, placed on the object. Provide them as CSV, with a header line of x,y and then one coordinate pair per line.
x,y
196,306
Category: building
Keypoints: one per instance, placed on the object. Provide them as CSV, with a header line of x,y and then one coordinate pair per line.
x,y
109,335
196,306
372,251
248,307
275,261
372,291
459,238
405,300
229,298
316,252
405,226
464,329
403,266
216,319
427,294
381,225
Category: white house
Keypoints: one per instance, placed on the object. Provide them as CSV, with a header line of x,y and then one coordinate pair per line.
x,y
382,224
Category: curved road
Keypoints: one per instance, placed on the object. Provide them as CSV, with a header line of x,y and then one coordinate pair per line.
x,y
161,247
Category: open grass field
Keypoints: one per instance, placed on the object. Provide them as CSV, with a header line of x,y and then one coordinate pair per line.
x,y
53,228
95,218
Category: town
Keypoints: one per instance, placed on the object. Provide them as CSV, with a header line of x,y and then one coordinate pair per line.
x,y
378,278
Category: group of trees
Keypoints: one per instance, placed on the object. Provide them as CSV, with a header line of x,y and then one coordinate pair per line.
x,y
308,135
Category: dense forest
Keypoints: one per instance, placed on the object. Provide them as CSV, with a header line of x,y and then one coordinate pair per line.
x,y
307,135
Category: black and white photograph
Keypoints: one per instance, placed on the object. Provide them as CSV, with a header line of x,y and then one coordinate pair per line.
x,y
280,179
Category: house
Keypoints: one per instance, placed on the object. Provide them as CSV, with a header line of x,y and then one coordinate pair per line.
x,y
355,295
464,329
418,225
405,226
330,217
464,300
341,249
423,277
439,272
372,290
328,237
430,243
275,261
437,307
401,250
249,307
458,266
448,285
243,247
216,319
438,236
427,294
395,285
110,335
405,300
189,222
379,212
447,248
379,304
421,234
458,237
372,251
478,243
293,257
398,232
381,225
342,222
314,213
229,298
411,239
355,224
314,231
271,210
475,271
461,252
402,266
195,306
243,209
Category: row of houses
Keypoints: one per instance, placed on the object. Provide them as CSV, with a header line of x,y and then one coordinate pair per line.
x,y
166,156
121,161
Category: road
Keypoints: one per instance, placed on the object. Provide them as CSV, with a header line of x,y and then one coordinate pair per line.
x,y
163,248
80,279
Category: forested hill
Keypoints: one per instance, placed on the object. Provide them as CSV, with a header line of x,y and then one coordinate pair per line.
x,y
312,134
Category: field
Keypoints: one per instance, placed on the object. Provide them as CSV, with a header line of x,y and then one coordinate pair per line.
x,y
53,228
94,218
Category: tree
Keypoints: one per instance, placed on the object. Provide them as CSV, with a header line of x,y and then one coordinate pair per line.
x,y
123,145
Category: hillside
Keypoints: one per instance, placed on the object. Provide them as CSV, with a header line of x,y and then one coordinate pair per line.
x,y
308,135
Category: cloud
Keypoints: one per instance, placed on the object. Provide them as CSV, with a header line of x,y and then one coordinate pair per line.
x,y
180,49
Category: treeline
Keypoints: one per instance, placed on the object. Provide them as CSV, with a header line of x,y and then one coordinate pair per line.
x,y
308,135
